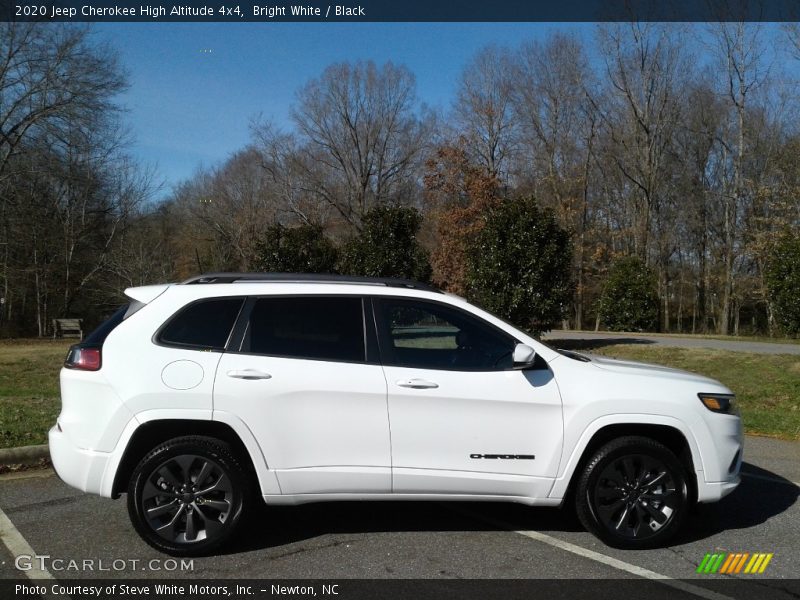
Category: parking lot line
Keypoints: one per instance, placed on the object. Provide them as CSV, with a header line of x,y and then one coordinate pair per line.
x,y
18,546
601,558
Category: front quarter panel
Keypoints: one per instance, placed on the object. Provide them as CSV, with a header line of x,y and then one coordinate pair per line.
x,y
594,398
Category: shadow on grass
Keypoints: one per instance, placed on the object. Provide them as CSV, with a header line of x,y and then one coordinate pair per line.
x,y
761,496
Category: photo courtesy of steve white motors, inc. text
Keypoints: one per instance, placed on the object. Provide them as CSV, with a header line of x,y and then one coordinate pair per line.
x,y
141,589
92,11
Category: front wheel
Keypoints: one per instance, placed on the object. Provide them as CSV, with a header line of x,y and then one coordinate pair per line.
x,y
186,497
632,493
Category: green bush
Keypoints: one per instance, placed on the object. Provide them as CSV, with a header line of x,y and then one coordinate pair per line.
x,y
783,283
519,265
303,249
387,245
629,301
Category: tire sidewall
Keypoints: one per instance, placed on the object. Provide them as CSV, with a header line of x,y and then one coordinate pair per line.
x,y
589,480
203,447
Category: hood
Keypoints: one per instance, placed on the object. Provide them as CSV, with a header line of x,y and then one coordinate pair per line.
x,y
629,367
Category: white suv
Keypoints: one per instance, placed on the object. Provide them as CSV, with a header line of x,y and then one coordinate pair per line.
x,y
196,398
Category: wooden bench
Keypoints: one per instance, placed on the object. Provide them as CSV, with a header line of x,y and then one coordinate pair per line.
x,y
68,328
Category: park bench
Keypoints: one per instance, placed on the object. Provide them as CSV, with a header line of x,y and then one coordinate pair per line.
x,y
68,328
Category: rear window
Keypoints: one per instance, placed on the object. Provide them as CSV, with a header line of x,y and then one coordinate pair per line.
x,y
203,325
99,335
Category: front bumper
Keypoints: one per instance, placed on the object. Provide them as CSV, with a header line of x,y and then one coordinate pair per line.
x,y
722,461
78,467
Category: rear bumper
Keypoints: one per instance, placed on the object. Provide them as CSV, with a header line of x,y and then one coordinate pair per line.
x,y
80,468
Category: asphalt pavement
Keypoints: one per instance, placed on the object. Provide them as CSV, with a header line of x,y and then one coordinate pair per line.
x,y
588,340
411,539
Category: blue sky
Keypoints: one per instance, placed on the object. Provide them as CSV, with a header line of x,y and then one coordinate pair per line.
x,y
196,87
189,107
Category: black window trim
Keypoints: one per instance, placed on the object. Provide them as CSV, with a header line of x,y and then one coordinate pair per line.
x,y
384,341
156,339
236,340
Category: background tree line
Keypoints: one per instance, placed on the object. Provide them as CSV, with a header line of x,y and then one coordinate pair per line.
x,y
647,178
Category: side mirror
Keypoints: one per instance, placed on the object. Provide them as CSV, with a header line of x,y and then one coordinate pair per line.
x,y
524,356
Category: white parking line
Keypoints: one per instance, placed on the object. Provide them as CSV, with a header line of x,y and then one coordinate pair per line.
x,y
18,546
695,590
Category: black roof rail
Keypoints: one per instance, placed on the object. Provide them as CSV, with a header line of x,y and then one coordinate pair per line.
x,y
310,278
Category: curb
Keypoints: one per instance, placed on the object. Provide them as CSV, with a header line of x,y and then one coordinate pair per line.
x,y
25,455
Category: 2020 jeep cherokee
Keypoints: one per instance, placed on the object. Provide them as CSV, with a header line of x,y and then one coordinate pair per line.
x,y
195,398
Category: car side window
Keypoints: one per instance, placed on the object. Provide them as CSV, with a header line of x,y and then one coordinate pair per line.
x,y
307,327
429,335
203,325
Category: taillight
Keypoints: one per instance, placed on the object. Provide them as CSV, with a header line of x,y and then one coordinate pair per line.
x,y
86,359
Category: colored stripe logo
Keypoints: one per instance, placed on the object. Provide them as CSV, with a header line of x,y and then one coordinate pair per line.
x,y
733,563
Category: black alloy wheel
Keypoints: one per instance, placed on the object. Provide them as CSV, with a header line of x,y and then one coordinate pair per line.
x,y
633,493
186,497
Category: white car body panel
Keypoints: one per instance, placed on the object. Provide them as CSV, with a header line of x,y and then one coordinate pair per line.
x,y
435,432
322,425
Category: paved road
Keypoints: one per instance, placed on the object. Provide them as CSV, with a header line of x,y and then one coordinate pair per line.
x,y
589,339
425,540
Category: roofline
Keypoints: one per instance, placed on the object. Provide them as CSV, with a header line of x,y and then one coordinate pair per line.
x,y
214,278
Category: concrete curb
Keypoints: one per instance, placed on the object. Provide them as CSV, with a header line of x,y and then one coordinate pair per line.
x,y
25,455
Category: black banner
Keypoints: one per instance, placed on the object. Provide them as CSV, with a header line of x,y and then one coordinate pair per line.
x,y
400,10
715,588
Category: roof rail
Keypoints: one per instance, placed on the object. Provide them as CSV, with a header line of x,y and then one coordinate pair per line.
x,y
309,278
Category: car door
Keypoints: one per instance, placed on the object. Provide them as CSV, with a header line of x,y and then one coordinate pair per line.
x,y
463,421
300,379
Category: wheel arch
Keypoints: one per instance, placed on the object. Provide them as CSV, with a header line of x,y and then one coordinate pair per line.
x,y
151,433
669,432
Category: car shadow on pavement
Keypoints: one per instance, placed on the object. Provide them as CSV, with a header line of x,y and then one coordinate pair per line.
x,y
594,343
276,526
761,496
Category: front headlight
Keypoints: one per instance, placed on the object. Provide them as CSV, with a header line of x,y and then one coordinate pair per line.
x,y
720,403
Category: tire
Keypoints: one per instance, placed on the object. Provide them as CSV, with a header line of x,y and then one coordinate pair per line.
x,y
633,493
187,496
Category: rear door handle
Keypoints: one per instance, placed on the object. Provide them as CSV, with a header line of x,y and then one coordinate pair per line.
x,y
249,374
417,384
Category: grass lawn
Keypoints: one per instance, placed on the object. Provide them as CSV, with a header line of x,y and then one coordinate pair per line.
x,y
29,401
766,385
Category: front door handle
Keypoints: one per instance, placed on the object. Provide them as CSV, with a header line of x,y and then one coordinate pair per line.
x,y
417,384
249,374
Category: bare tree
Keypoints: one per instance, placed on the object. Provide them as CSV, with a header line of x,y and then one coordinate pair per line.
x,y
482,111
51,77
57,116
286,169
361,136
792,31
700,171
232,206
647,71
556,131
740,51
645,68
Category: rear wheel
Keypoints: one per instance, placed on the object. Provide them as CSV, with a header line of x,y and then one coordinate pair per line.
x,y
633,493
186,497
